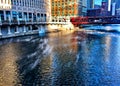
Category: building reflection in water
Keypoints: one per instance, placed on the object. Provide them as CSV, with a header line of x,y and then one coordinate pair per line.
x,y
71,58
63,61
20,60
31,65
8,66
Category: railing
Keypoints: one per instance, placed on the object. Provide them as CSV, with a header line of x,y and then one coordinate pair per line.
x,y
14,22
6,22
95,20
21,22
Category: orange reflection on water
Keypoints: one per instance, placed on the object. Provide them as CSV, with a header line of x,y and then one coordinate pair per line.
x,y
8,73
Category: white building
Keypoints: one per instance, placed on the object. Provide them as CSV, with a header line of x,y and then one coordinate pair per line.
x,y
20,16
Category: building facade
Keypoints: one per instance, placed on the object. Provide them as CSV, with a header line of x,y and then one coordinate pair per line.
x,y
105,8
20,16
93,12
62,10
84,8
115,7
90,4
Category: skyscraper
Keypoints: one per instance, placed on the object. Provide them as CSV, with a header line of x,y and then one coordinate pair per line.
x,y
104,8
90,4
117,3
115,7
84,7
108,4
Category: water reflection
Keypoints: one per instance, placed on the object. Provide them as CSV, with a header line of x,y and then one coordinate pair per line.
x,y
8,66
31,69
69,58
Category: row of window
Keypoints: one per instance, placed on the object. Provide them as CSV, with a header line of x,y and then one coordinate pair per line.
x,y
5,1
63,14
63,8
20,15
5,7
32,3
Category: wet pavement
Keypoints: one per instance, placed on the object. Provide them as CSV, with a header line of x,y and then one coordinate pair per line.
x,y
65,58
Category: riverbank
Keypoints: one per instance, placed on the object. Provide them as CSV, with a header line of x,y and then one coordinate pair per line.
x,y
28,33
33,32
18,34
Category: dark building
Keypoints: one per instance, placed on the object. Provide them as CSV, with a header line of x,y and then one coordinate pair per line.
x,y
93,12
90,4
115,7
97,6
104,8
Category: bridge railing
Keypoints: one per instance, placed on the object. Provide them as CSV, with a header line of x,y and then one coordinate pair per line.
x,y
96,20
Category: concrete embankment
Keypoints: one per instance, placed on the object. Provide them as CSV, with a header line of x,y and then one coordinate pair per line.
x,y
18,34
50,30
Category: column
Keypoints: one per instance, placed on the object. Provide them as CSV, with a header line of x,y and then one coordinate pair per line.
x,y
30,27
33,3
32,17
9,32
36,17
24,29
19,2
0,19
4,14
11,16
27,17
17,29
12,2
18,18
24,2
40,17
6,1
23,16
0,31
41,27
29,3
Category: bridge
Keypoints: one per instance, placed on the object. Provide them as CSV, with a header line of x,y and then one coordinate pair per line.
x,y
95,20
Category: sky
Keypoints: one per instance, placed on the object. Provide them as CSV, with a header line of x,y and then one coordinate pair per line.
x,y
98,2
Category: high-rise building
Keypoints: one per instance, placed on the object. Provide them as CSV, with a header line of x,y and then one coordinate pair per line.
x,y
19,16
115,7
106,7
90,4
108,4
84,8
62,10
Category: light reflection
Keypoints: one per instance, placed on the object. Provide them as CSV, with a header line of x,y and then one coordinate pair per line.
x,y
108,28
53,60
8,73
107,49
118,46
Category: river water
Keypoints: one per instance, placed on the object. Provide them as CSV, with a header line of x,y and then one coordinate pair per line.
x,y
65,58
